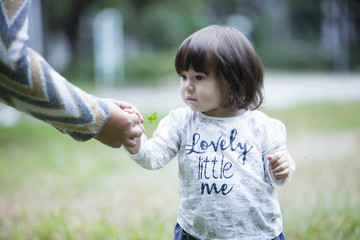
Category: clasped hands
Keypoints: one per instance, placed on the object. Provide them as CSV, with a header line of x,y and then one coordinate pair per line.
x,y
123,126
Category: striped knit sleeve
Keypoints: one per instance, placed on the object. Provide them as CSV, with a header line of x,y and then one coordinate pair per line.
x,y
29,84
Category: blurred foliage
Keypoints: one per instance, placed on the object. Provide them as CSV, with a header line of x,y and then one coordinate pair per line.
x,y
149,68
287,35
324,117
166,23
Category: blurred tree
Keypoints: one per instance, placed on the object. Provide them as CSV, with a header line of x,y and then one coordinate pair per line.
x,y
286,33
164,23
64,15
160,22
305,17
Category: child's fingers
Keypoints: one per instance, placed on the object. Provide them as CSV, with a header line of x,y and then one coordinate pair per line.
x,y
280,166
140,116
282,174
142,127
281,171
136,118
274,160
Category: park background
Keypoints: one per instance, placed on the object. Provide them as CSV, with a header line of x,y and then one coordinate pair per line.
x,y
52,187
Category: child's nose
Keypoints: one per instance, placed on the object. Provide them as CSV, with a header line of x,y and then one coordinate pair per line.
x,y
189,86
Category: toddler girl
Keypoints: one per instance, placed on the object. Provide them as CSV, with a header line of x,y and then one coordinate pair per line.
x,y
229,153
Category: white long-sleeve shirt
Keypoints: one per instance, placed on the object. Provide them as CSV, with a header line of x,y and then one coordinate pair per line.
x,y
225,184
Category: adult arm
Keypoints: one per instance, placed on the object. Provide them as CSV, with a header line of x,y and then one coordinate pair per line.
x,y
29,84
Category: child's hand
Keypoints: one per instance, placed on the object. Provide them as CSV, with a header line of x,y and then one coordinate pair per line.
x,y
135,112
279,164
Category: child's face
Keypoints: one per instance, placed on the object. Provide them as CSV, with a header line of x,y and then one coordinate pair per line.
x,y
201,93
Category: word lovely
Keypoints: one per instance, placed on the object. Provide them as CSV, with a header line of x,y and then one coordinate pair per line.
x,y
221,144
211,168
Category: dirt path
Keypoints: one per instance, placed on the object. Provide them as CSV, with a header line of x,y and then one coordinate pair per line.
x,y
281,90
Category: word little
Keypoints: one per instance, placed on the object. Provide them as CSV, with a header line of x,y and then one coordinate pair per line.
x,y
213,171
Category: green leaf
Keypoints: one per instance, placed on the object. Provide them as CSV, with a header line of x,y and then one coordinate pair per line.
x,y
152,117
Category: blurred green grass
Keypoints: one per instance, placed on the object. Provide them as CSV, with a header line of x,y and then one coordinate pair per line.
x,y
52,187
321,117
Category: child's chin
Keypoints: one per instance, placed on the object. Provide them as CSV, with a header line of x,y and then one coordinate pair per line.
x,y
194,108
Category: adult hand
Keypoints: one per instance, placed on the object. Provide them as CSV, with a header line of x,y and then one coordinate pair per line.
x,y
121,128
127,107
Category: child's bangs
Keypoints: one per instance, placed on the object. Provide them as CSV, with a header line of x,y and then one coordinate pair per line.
x,y
192,56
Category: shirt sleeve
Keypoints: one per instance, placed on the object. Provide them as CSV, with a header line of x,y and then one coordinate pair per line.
x,y
29,84
159,150
274,140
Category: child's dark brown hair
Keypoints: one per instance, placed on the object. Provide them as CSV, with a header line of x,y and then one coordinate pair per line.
x,y
225,53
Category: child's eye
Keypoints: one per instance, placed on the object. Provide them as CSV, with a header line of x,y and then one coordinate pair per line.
x,y
199,77
182,77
